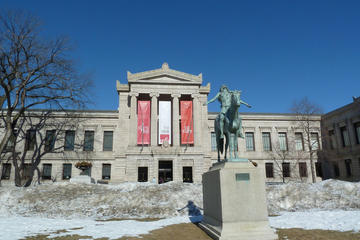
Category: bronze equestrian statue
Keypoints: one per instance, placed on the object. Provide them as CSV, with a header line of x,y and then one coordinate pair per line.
x,y
228,122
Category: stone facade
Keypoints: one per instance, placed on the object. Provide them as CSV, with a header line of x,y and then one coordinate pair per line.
x,y
341,140
131,161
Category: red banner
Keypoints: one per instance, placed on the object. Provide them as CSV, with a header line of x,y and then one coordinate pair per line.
x,y
187,127
143,126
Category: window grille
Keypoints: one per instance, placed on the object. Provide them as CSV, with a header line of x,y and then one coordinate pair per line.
x,y
89,141
282,141
69,140
108,141
249,137
266,141
106,171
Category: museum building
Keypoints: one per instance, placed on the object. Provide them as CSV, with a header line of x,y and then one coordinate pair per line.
x,y
341,140
162,131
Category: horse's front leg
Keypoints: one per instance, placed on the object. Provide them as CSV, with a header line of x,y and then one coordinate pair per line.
x,y
236,144
218,154
231,146
226,144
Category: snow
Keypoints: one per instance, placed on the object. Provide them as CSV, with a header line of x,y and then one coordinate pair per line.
x,y
325,195
20,227
69,200
46,208
327,220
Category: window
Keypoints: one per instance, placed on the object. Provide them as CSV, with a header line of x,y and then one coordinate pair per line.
x,y
6,169
314,137
27,170
299,142
283,141
213,142
49,140
348,167
357,132
142,174
336,170
286,169
303,169
106,171
69,140
108,141
250,145
46,173
345,137
269,167
87,171
266,141
318,169
30,140
66,170
10,144
187,174
332,139
89,141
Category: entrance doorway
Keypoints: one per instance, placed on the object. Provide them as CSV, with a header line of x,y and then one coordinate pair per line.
x,y
165,171
187,174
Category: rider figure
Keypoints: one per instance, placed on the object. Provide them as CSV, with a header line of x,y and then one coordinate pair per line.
x,y
224,97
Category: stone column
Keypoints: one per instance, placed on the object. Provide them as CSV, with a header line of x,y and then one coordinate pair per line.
x,y
197,119
133,118
154,118
175,123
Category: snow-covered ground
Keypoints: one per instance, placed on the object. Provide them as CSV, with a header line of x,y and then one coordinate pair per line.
x,y
331,204
13,228
18,227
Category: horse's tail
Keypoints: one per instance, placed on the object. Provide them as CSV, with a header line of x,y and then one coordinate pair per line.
x,y
219,141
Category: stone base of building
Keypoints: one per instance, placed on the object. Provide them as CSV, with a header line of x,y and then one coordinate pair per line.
x,y
82,179
235,202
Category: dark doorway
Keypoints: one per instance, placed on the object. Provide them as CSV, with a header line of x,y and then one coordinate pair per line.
x,y
142,174
165,171
187,174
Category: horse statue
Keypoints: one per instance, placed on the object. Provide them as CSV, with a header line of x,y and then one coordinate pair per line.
x,y
232,127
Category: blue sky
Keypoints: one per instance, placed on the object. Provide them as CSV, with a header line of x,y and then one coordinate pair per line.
x,y
274,51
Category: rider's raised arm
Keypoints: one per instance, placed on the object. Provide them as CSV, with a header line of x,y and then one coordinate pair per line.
x,y
214,98
241,101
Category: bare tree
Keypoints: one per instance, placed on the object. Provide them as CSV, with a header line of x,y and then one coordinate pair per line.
x,y
307,114
34,72
42,132
281,157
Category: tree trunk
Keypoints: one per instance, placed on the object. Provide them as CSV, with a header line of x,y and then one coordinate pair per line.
x,y
312,168
18,176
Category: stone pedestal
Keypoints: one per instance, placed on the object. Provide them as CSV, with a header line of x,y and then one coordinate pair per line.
x,y
235,202
82,179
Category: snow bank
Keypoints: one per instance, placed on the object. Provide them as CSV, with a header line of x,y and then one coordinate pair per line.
x,y
101,201
67,200
325,195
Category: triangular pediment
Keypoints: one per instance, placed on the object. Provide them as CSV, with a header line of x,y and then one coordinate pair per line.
x,y
164,75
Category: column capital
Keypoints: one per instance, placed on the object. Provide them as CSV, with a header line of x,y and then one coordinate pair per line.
x,y
175,95
195,95
134,94
152,94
